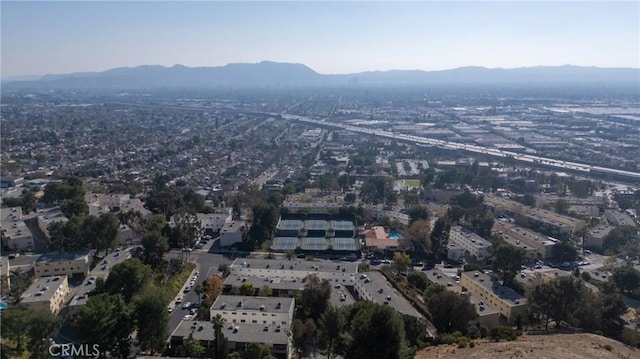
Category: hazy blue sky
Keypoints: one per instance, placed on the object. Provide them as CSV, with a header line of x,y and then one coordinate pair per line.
x,y
330,37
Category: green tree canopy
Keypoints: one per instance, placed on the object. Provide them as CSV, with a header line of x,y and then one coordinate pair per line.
x,y
128,278
450,311
314,298
373,331
105,320
508,262
152,319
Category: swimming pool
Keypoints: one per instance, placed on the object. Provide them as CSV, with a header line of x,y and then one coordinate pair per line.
x,y
3,305
394,235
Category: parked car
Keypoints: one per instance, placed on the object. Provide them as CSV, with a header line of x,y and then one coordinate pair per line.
x,y
187,317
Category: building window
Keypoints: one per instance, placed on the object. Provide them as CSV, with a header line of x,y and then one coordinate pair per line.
x,y
243,321
254,321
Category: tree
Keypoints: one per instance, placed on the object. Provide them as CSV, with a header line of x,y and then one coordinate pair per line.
x,y
303,336
440,237
247,289
561,206
418,213
330,327
613,307
106,231
192,348
188,229
314,298
627,279
564,251
155,245
41,326
15,325
418,232
557,299
508,262
105,321
266,291
433,289
373,331
76,206
152,319
221,349
450,311
257,351
212,288
289,255
401,261
128,278
418,280
350,197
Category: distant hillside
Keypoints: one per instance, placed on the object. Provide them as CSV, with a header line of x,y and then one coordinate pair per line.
x,y
551,346
274,74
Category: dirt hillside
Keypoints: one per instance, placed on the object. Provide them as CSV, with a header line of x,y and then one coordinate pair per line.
x,y
552,346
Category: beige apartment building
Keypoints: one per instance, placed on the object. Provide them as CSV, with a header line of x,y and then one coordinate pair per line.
x,y
492,293
46,293
69,263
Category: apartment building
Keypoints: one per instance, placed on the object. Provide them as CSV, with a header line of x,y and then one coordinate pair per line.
x,y
214,222
254,310
374,287
476,246
232,233
342,273
280,287
238,336
542,244
16,236
67,263
595,237
47,293
492,293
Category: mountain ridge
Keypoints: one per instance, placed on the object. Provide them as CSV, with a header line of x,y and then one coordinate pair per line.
x,y
282,74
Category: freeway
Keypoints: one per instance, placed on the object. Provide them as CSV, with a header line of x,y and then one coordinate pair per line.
x,y
565,165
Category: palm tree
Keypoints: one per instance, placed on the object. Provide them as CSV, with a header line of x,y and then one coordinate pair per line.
x,y
289,255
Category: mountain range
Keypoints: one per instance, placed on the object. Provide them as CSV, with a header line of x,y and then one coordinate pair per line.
x,y
277,74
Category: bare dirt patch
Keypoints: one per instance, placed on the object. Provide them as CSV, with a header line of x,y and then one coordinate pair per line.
x,y
550,346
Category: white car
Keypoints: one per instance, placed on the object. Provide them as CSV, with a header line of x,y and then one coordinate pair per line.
x,y
186,305
187,317
179,300
171,308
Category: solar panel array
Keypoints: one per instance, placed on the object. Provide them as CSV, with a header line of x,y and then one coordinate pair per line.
x,y
284,243
314,244
290,224
345,244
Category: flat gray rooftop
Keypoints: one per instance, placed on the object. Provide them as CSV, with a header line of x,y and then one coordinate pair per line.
x,y
274,282
492,284
379,289
63,256
267,304
42,289
294,265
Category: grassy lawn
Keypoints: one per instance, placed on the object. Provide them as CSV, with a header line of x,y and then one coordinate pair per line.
x,y
411,183
175,283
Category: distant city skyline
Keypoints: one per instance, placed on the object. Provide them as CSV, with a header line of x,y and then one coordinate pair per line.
x,y
330,37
